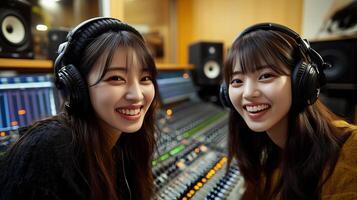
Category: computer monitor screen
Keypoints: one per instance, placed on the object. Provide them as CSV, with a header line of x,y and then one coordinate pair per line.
x,y
175,86
23,100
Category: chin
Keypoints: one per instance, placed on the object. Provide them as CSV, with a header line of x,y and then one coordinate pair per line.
x,y
256,128
132,129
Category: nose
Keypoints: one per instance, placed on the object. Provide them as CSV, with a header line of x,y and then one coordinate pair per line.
x,y
134,92
250,89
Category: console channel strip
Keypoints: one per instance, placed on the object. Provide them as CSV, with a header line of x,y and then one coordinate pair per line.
x,y
201,176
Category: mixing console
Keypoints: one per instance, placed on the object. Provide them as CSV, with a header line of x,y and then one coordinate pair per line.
x,y
191,157
191,161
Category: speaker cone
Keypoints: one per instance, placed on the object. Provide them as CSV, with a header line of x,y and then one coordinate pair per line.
x,y
211,69
13,30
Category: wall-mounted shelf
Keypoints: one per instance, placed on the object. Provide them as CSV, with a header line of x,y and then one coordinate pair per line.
x,y
169,66
10,63
35,64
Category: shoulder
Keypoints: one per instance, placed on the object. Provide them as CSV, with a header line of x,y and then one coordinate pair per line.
x,y
342,183
42,164
50,133
40,159
349,148
40,145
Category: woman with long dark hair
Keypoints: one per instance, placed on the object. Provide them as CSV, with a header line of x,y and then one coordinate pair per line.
x,y
101,145
287,143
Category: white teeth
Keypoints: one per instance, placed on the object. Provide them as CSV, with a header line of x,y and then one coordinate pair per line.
x,y
128,111
257,108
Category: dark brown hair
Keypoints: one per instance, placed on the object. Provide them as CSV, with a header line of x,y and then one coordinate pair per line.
x,y
137,147
312,145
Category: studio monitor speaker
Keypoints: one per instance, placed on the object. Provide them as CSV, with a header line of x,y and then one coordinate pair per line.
x,y
342,55
55,38
207,58
15,29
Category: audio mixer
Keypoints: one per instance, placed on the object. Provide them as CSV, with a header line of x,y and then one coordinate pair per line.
x,y
191,160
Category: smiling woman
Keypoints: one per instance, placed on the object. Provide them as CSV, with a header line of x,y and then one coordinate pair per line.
x,y
287,143
101,145
123,95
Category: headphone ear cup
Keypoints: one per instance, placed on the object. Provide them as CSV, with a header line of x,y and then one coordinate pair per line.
x,y
305,85
73,87
224,96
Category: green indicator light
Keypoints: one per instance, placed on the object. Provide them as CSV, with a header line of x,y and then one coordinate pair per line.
x,y
177,149
203,125
164,157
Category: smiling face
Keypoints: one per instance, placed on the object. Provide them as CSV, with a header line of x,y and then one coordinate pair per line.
x,y
261,97
123,95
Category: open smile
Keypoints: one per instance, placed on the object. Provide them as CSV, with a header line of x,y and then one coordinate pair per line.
x,y
130,113
256,111
256,108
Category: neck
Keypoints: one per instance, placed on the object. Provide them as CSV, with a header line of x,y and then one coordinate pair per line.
x,y
113,138
278,133
112,135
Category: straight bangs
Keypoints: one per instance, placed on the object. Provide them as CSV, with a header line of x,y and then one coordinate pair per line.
x,y
108,43
259,49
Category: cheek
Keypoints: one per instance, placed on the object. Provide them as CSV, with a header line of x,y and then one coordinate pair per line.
x,y
286,97
149,93
235,97
100,97
281,93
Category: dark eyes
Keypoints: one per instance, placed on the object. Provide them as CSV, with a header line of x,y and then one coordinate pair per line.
x,y
236,81
121,79
146,78
266,76
115,78
262,77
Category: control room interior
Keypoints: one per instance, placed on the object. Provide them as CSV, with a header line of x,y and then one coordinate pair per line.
x,y
179,33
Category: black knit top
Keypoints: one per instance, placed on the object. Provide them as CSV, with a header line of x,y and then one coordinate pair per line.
x,y
43,166
47,164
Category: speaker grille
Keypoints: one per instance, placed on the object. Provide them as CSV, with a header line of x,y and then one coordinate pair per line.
x,y
341,54
207,58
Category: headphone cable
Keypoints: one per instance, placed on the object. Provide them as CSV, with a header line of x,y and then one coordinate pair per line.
x,y
126,181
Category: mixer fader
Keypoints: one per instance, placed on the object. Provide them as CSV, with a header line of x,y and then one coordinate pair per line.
x,y
191,160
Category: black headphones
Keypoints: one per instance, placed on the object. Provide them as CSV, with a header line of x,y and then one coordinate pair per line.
x,y
307,78
68,78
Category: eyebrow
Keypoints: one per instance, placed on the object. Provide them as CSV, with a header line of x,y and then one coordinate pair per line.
x,y
125,69
115,68
259,68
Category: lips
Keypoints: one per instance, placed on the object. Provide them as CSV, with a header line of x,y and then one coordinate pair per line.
x,y
256,108
130,112
127,111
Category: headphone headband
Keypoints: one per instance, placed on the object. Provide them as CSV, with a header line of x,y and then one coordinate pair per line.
x,y
77,39
303,44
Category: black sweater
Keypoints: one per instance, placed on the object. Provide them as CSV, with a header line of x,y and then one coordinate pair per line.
x,y
43,166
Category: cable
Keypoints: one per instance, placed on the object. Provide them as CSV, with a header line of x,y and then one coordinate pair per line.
x,y
126,181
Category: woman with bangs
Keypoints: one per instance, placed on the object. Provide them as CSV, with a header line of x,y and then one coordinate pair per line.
x,y
100,146
287,143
